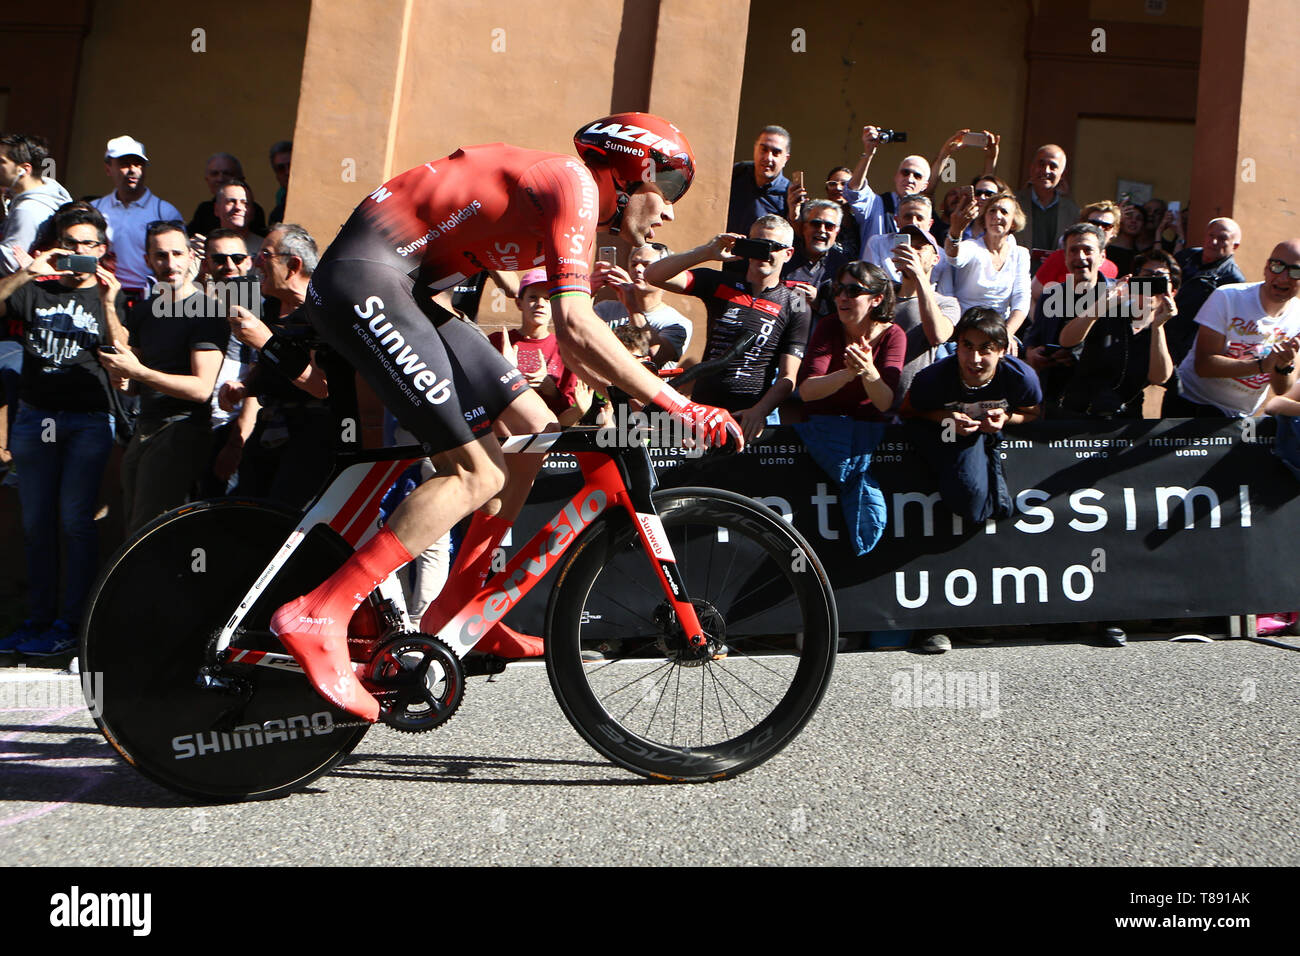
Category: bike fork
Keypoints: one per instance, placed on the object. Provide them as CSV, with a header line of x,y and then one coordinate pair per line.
x,y
638,479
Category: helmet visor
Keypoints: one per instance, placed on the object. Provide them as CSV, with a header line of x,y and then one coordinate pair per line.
x,y
672,176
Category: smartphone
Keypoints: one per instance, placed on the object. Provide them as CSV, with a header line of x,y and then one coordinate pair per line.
x,y
608,254
1149,285
899,239
243,291
76,263
108,348
975,139
1170,233
752,249
796,179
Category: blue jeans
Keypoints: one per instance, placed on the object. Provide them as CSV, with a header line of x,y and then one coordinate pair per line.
x,y
971,479
60,458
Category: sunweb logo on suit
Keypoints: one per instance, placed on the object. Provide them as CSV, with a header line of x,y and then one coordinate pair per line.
x,y
407,359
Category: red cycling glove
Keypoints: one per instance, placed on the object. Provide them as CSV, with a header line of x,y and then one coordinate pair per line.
x,y
710,424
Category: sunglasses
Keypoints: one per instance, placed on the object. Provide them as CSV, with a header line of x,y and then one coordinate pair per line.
x,y
985,193
68,243
1102,223
824,223
221,258
851,289
1277,267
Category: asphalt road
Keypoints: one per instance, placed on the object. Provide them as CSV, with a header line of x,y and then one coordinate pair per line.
x,y
1158,753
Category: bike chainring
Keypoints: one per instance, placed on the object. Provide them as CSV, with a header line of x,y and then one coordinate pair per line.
x,y
418,681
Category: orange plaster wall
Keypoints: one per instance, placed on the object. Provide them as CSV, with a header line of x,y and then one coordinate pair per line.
x,y
141,74
1268,147
456,74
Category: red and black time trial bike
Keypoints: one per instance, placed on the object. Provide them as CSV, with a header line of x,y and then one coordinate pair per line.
x,y
722,615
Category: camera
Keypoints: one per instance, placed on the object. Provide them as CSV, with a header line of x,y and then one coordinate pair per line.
x,y
761,249
1149,285
892,136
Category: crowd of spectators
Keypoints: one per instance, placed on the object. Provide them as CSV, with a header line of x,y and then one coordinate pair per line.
x,y
992,306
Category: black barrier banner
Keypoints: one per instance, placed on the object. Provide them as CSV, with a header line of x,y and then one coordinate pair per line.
x,y
1159,518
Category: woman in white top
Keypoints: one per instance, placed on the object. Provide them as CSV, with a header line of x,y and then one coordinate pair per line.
x,y
993,270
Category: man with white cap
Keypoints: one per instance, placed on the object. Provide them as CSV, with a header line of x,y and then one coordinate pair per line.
x,y
129,209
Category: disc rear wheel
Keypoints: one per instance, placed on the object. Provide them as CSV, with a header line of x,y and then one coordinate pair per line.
x,y
218,732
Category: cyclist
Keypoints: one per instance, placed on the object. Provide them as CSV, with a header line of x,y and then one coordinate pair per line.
x,y
483,207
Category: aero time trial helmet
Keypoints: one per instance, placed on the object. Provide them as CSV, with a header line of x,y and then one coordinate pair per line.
x,y
631,149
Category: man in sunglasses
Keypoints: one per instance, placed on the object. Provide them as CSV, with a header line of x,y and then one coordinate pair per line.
x,y
873,211
818,254
226,257
754,384
1246,344
303,407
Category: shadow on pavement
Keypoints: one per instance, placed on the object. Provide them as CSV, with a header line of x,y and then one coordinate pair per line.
x,y
433,768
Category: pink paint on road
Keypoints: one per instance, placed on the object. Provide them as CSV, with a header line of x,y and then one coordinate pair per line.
x,y
88,776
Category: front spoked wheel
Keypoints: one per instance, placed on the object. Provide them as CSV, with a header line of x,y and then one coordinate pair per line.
x,y
642,696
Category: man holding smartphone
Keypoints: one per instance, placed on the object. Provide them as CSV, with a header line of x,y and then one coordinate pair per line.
x,y
757,382
62,305
915,210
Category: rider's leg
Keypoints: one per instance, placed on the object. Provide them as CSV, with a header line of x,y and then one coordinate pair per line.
x,y
464,478
314,627
527,414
